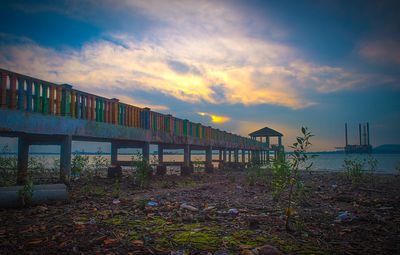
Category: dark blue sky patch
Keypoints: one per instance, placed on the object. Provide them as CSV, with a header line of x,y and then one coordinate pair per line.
x,y
178,66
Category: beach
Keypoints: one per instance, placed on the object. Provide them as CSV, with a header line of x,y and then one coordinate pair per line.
x,y
227,213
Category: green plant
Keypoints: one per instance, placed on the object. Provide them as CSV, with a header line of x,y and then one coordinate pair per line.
x,y
56,165
154,160
142,171
99,161
281,172
372,164
117,189
354,170
26,192
254,161
37,168
197,164
8,167
255,174
79,164
298,160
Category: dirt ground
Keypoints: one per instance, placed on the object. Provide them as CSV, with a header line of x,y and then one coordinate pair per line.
x,y
219,213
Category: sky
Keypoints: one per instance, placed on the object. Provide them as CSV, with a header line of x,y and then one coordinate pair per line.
x,y
235,65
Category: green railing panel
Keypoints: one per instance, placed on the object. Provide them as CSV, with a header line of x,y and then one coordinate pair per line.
x,y
37,97
45,98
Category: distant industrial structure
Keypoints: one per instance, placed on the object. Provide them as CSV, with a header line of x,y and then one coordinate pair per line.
x,y
364,146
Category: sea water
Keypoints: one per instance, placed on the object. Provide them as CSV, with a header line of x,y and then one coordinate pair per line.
x,y
386,163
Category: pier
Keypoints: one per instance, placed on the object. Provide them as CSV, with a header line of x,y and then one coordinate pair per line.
x,y
40,112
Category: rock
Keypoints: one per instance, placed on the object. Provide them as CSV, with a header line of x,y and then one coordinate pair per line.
x,y
41,209
187,217
209,208
266,250
114,171
221,252
254,223
189,207
179,252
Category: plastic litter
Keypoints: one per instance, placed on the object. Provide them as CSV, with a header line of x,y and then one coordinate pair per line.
x,y
91,221
233,211
152,203
116,201
344,216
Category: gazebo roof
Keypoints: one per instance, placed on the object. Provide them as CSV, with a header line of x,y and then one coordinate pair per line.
x,y
266,131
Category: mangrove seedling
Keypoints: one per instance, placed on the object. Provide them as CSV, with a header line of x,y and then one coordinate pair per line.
x,y
143,171
354,170
26,192
298,160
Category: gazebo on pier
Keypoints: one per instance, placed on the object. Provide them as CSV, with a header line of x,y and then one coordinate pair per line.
x,y
264,135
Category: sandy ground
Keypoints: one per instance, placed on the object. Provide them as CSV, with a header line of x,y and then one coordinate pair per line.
x,y
222,213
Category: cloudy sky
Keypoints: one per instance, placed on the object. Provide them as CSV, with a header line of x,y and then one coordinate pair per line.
x,y
235,65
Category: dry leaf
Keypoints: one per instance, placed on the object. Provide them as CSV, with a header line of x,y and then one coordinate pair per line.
x,y
137,242
35,241
109,241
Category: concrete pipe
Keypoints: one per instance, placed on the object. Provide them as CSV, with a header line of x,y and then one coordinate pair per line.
x,y
42,194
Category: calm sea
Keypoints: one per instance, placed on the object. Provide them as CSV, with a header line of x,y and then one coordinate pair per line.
x,y
387,163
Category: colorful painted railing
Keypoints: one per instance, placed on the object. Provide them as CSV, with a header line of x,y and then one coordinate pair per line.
x,y
29,94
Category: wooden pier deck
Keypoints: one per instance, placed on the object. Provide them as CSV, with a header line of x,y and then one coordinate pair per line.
x,y
40,112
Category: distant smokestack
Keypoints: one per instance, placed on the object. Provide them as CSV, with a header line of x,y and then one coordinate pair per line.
x,y
364,134
345,133
368,133
359,132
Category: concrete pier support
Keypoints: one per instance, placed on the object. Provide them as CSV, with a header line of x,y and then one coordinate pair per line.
x,y
230,156
65,158
261,157
243,156
25,140
186,168
222,162
146,151
209,167
114,153
236,155
161,168
264,157
160,154
22,165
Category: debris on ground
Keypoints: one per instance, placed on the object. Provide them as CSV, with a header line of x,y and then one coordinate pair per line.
x,y
220,213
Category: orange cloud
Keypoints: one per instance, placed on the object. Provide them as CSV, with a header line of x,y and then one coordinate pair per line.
x,y
195,55
215,118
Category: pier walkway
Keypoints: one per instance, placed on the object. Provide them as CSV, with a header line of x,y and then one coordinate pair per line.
x,y
40,112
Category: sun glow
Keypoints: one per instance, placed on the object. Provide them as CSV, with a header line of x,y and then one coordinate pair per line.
x,y
215,118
